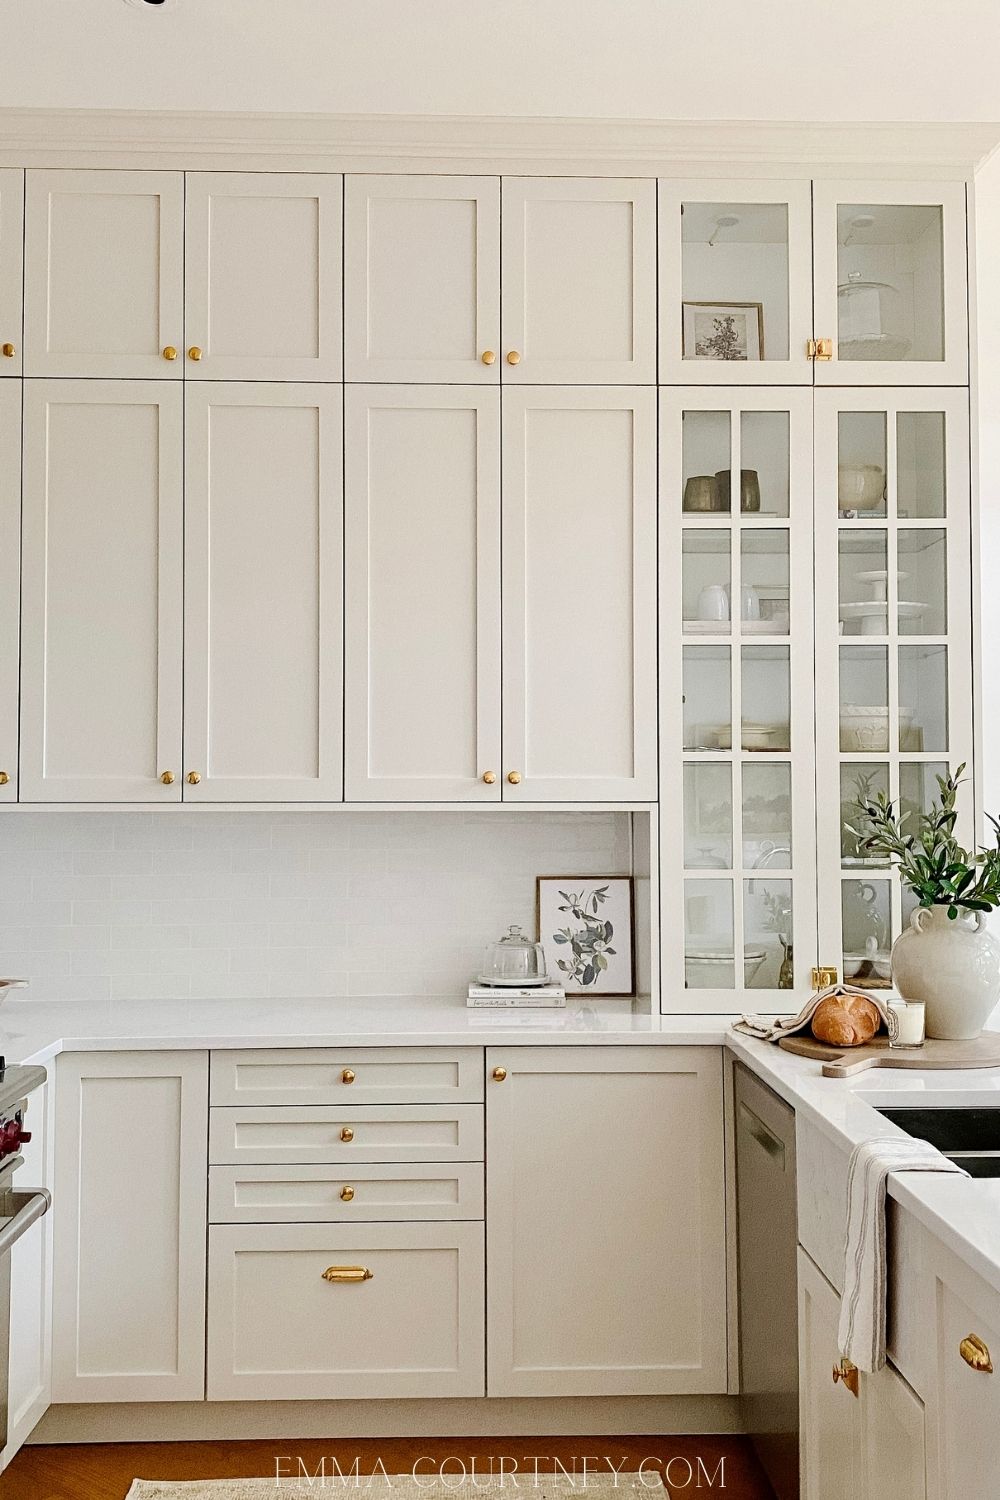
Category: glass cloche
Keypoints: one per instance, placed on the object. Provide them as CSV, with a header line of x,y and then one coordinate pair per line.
x,y
869,320
514,960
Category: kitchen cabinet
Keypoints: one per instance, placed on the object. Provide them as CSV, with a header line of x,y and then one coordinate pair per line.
x,y
29,1367
263,684
422,279
964,1435
578,272
422,701
129,1280
10,578
104,274
101,624
891,293
263,282
735,282
579,594
11,268
604,1178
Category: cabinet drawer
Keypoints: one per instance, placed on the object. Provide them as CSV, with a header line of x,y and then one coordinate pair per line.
x,y
359,1075
304,1194
365,1133
279,1330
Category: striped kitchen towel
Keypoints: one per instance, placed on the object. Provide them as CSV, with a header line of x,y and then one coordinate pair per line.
x,y
862,1309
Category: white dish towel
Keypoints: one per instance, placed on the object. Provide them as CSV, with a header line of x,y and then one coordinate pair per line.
x,y
862,1309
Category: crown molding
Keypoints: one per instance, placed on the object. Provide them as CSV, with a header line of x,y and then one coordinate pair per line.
x,y
209,139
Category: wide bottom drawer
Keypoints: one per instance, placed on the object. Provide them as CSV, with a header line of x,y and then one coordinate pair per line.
x,y
348,1194
311,1311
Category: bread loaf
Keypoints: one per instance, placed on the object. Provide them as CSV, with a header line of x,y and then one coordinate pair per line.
x,y
845,1020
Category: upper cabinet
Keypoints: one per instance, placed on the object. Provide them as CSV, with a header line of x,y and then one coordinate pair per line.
x,y
104,284
578,271
735,283
422,279
263,276
10,572
890,283
11,248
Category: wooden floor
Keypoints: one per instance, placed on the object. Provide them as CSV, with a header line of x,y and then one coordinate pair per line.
x,y
105,1471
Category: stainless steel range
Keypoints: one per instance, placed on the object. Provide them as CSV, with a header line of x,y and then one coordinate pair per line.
x,y
19,1209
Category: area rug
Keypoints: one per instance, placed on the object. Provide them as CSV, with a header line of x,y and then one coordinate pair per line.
x,y
325,1480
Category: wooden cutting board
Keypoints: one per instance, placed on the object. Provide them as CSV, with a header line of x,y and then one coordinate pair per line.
x,y
843,1062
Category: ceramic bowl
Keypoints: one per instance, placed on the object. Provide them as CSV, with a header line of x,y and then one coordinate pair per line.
x,y
860,486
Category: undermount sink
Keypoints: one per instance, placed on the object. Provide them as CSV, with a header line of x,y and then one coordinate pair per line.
x,y
970,1137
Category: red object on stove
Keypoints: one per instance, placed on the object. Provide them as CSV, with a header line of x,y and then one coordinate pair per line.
x,y
12,1137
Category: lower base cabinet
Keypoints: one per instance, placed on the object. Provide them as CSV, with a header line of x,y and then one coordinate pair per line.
x,y
319,1311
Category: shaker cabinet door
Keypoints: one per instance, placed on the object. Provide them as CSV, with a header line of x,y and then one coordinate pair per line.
x,y
830,1454
423,594
101,624
579,281
579,594
10,576
263,289
104,282
422,279
263,679
11,252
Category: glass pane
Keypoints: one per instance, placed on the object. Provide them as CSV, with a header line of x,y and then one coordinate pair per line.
x,y
867,932
708,817
923,698
734,279
863,582
861,463
858,783
707,461
890,281
764,591
920,463
708,713
767,816
708,935
706,581
767,948
764,452
923,582
918,788
864,699
766,698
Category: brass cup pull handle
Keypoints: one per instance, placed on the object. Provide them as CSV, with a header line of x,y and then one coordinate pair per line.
x,y
513,358
348,1075
499,1074
347,1273
167,777
849,1374
4,778
9,351
346,1194
193,778
347,1134
976,1354
194,353
488,357
170,352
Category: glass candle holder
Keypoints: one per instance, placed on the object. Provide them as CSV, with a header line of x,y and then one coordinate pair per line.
x,y
910,1015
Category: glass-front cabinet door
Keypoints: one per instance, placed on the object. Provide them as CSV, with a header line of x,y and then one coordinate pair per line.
x,y
736,658
890,283
735,283
893,642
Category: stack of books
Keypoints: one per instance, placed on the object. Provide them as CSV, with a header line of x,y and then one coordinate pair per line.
x,y
509,997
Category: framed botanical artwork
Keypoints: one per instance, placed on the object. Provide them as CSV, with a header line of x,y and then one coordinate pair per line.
x,y
722,330
586,927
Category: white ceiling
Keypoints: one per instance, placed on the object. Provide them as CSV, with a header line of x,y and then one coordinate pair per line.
x,y
906,60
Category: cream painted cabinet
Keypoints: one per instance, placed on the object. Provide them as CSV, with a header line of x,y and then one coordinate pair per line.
x,y
263,287
10,575
11,268
101,591
578,270
263,593
422,698
579,594
606,1249
964,1437
422,279
129,1276
104,282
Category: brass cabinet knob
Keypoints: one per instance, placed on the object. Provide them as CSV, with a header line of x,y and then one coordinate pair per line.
x,y
193,778
167,777
346,1194
499,1074
170,352
347,1134
824,348
347,1273
848,1373
9,351
194,353
513,358
976,1354
488,357
347,1076
514,777
489,777
4,778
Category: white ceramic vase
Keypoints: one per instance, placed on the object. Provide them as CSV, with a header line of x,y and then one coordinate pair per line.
x,y
953,966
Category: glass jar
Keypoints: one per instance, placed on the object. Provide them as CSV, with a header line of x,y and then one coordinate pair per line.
x,y
514,960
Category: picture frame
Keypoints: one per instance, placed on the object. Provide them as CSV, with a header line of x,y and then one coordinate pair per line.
x,y
722,331
586,925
